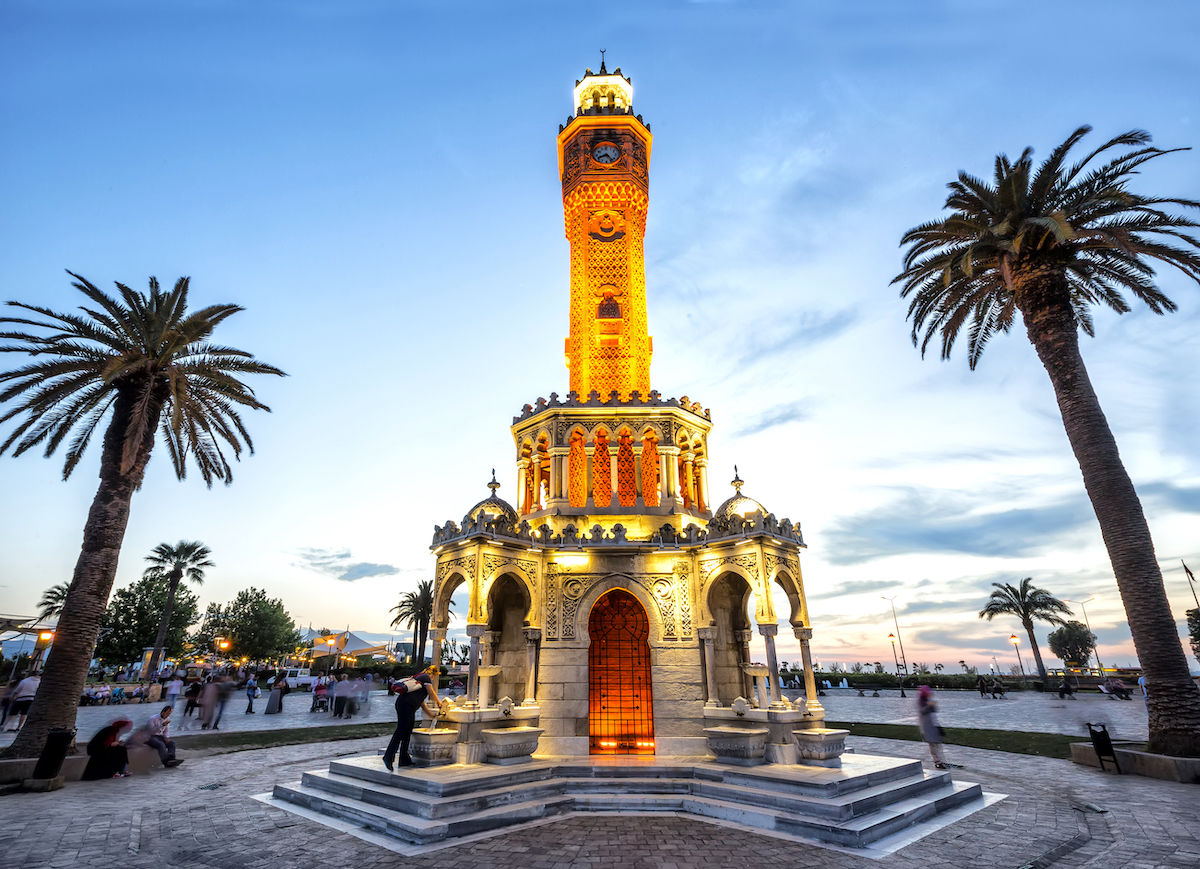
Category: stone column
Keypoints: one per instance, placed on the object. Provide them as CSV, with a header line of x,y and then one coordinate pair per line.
x,y
475,632
639,501
437,636
557,496
742,638
689,479
489,641
671,470
702,494
812,701
533,637
524,502
707,635
768,632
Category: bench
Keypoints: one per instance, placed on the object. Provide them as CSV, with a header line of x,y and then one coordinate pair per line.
x,y
874,689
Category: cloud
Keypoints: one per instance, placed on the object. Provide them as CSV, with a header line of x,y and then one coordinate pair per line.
x,y
919,521
1184,498
857,586
780,415
797,333
337,563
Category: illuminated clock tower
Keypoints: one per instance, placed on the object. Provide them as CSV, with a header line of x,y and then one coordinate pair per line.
x,y
604,161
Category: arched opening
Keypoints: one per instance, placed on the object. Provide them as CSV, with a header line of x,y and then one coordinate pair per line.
x,y
626,470
577,469
508,607
620,703
650,482
728,599
602,487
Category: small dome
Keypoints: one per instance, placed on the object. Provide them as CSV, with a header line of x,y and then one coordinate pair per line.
x,y
492,507
739,505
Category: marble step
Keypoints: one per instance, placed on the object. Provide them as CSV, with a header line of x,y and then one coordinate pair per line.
x,y
855,832
839,807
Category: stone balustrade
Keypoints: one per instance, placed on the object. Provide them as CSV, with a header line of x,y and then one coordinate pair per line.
x,y
654,399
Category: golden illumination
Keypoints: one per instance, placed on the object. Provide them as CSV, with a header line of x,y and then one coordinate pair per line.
x,y
46,636
568,560
1013,639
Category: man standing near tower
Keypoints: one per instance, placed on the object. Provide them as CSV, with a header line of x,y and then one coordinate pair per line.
x,y
415,692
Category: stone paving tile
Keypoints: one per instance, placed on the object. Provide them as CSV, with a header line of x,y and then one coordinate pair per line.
x,y
165,819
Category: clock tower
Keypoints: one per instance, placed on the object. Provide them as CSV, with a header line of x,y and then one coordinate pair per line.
x,y
604,162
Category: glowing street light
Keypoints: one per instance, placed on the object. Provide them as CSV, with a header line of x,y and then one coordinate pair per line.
x,y
896,622
1015,640
1096,647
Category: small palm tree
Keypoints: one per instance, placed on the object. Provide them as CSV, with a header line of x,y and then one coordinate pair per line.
x,y
52,601
144,363
187,558
415,610
1028,603
1049,243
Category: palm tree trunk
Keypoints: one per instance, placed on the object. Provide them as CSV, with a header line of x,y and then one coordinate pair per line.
x,y
1037,653
423,627
1174,699
416,627
161,638
67,665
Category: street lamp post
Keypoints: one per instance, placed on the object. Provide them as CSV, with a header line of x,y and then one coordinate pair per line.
x,y
903,660
329,670
1096,647
1015,640
892,640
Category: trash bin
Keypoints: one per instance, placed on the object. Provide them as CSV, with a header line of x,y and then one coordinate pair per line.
x,y
49,763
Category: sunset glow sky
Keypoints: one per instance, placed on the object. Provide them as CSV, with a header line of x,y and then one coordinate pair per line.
x,y
376,183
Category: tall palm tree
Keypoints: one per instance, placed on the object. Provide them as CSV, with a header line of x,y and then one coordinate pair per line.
x,y
415,610
187,558
1029,604
145,364
1050,243
52,601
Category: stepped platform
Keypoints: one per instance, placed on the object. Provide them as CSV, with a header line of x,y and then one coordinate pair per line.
x,y
868,798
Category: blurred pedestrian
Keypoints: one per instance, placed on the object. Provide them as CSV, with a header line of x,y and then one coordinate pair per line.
x,y
251,693
22,699
107,755
275,701
931,732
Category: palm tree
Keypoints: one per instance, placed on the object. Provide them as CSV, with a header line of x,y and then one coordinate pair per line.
x,y
1029,604
144,363
1050,243
172,563
52,601
415,610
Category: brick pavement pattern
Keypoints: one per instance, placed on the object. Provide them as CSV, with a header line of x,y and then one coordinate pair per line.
x,y
202,815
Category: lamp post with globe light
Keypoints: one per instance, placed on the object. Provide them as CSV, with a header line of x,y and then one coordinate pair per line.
x,y
1015,640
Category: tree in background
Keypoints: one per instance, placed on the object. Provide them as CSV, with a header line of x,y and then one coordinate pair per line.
x,y
51,604
1050,244
1073,643
134,616
260,626
415,610
212,624
171,564
145,364
1028,603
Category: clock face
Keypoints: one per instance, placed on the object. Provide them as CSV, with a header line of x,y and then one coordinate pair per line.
x,y
606,152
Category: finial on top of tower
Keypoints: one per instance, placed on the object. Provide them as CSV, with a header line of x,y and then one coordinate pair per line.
x,y
603,71
737,482
493,485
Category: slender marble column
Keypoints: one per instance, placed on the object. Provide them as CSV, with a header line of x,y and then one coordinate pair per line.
x,y
742,638
437,636
707,635
532,638
768,633
489,641
812,701
474,632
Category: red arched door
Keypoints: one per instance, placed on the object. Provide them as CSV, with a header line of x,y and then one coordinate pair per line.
x,y
620,705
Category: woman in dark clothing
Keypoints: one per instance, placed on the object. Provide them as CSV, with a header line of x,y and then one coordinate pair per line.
x,y
107,757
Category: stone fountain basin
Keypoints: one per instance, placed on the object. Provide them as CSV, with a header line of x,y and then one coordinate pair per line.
x,y
741,746
433,747
821,746
509,745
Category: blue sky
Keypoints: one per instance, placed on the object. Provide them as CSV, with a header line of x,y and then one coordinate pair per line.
x,y
375,182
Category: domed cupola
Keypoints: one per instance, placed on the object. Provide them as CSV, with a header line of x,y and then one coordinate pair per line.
x,y
492,507
742,506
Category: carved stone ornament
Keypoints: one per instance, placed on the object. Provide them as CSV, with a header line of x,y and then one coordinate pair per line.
x,y
606,225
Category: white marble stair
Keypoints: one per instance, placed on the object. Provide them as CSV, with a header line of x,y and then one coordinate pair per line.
x,y
869,798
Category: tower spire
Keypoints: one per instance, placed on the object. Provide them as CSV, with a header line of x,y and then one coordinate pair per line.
x,y
603,70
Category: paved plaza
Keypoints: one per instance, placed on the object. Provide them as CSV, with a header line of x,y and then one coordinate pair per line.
x,y
204,815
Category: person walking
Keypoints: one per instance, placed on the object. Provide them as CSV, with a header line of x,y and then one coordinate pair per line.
x,y
251,693
930,731
413,693
275,701
174,689
22,699
981,686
